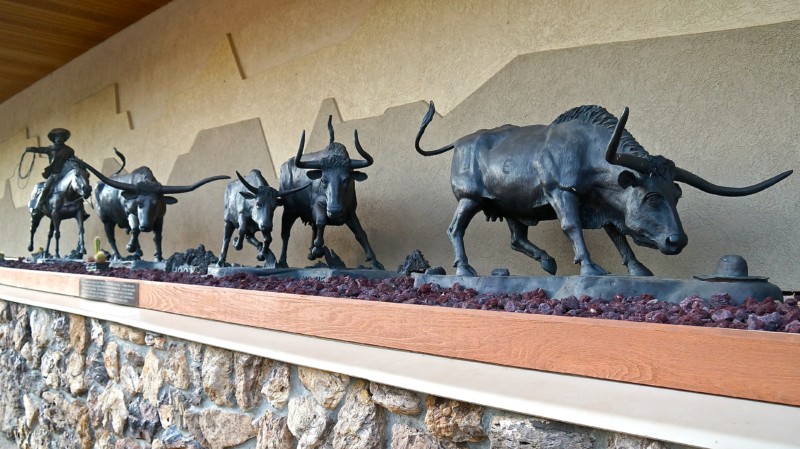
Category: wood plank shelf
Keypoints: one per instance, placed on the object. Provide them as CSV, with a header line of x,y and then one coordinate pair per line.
x,y
735,363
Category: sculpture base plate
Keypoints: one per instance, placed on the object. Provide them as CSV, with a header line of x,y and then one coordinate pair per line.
x,y
138,265
301,273
673,290
53,260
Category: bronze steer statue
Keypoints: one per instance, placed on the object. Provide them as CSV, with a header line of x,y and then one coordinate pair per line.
x,y
583,170
250,204
331,200
136,202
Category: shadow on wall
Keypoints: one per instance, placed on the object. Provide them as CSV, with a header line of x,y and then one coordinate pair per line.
x,y
715,103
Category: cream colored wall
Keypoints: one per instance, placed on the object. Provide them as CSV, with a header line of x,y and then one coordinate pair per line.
x,y
153,88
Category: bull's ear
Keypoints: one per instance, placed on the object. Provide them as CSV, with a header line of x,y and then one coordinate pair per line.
x,y
314,174
248,195
169,199
627,179
129,195
359,176
678,188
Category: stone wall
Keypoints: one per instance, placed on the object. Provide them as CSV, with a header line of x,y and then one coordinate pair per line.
x,y
72,382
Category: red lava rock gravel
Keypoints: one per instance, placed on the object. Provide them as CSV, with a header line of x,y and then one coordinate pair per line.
x,y
767,315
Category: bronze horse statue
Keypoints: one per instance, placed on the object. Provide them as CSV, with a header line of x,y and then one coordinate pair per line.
x,y
65,201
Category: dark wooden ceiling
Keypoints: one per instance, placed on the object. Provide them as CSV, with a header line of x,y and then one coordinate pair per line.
x,y
39,36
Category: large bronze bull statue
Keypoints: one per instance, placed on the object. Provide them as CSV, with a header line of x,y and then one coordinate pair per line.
x,y
137,203
331,200
583,170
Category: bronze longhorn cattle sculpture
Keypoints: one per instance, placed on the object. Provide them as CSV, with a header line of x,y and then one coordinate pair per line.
x,y
331,200
136,202
250,204
583,170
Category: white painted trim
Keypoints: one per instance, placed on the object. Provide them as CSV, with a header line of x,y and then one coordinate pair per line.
x,y
659,413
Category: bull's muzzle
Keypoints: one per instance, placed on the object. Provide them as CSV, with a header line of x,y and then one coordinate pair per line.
x,y
674,243
335,213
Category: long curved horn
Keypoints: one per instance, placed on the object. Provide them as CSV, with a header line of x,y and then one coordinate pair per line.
x,y
313,165
330,127
171,190
246,184
283,193
364,154
624,160
108,181
697,182
611,149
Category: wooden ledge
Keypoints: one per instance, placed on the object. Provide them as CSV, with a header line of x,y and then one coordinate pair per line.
x,y
742,364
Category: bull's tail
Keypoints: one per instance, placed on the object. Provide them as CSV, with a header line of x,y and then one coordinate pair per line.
x,y
122,158
425,121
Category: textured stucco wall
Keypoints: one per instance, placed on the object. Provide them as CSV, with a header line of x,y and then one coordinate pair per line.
x,y
701,99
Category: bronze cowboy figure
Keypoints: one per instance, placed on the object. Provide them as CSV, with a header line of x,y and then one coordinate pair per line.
x,y
61,194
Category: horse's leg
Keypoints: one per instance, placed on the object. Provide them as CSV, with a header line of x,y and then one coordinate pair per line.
x,y
49,238
55,222
36,218
81,242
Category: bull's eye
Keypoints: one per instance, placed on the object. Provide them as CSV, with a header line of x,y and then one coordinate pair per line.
x,y
323,183
653,198
259,205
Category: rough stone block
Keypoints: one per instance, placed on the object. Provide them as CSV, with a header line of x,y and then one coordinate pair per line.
x,y
273,432
249,374
396,400
217,375
359,423
454,420
507,432
224,429
278,385
128,333
308,421
327,388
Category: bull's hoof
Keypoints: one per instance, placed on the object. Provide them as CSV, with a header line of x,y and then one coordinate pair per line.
x,y
131,247
636,268
270,260
281,264
238,243
377,265
260,257
465,270
316,253
30,247
549,264
221,263
592,269
158,258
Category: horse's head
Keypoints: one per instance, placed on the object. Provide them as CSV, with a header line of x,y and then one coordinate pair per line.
x,y
76,179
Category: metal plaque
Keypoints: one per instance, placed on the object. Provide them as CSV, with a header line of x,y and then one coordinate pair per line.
x,y
123,293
